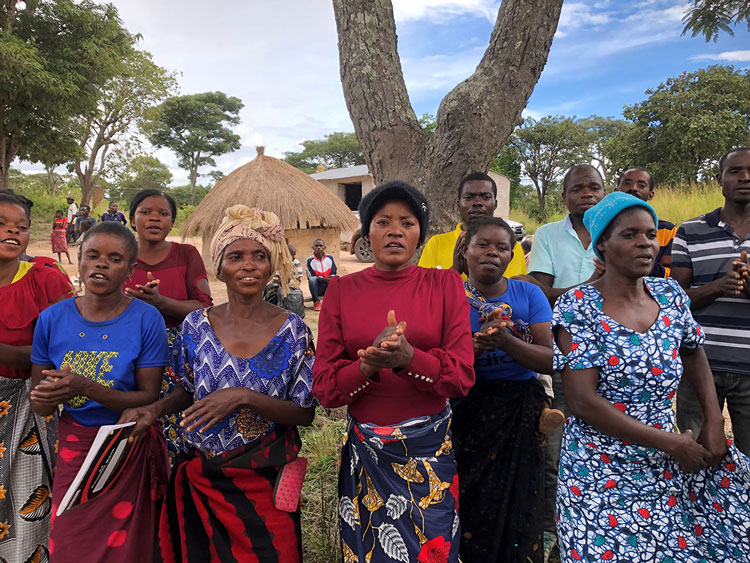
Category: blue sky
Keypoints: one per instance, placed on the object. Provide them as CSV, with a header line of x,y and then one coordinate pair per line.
x,y
280,57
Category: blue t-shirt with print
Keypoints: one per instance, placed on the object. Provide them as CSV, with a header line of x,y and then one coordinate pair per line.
x,y
108,352
526,302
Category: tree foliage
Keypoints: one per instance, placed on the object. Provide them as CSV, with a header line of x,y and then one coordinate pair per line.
x,y
685,125
708,17
140,173
125,98
55,56
337,150
197,128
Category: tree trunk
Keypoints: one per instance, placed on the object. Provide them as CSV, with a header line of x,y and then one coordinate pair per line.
x,y
473,120
8,151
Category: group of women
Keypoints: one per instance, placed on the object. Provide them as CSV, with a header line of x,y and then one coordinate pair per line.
x,y
439,380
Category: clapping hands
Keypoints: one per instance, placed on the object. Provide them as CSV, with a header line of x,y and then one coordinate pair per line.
x,y
389,350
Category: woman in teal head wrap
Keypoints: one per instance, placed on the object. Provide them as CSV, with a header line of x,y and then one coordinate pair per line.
x,y
631,488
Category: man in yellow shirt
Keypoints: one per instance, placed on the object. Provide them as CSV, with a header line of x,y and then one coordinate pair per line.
x,y
477,197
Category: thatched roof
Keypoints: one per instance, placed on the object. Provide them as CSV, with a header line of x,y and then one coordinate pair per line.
x,y
272,185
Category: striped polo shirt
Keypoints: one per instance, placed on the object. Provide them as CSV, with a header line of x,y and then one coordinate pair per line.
x,y
707,245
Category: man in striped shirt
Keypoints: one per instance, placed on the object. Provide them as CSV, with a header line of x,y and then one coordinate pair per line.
x,y
640,183
709,259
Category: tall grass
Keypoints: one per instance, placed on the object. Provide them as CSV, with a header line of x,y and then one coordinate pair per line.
x,y
675,203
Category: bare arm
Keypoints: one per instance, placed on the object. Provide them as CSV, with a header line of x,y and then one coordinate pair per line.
x,y
536,355
15,356
52,387
585,403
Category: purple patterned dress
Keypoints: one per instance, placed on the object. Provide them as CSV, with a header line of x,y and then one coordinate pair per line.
x,y
619,501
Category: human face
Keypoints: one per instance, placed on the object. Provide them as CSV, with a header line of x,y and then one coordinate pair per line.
x,y
58,215
85,210
488,254
14,231
394,235
584,190
245,267
735,179
104,264
476,200
636,182
113,208
319,248
632,245
153,219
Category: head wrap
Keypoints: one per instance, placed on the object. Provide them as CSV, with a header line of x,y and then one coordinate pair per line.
x,y
399,191
264,227
597,218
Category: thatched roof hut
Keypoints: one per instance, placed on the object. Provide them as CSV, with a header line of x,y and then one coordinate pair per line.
x,y
306,208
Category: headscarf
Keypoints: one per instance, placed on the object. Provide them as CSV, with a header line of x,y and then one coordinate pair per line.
x,y
264,227
597,218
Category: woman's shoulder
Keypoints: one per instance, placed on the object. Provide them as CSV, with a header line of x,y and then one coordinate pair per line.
x,y
667,291
185,250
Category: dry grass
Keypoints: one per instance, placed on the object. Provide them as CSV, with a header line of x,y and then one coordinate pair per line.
x,y
272,185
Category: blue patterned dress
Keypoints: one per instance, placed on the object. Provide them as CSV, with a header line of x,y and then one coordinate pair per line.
x,y
616,500
282,369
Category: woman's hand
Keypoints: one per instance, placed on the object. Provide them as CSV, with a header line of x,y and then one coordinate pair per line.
x,y
143,417
712,438
58,387
148,292
389,350
689,454
213,408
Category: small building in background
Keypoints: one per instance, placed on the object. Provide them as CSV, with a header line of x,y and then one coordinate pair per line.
x,y
352,183
307,209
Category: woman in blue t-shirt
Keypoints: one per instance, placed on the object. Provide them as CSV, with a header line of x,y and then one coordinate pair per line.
x,y
498,446
98,355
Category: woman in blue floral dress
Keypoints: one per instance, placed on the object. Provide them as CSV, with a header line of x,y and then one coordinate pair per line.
x,y
245,373
630,488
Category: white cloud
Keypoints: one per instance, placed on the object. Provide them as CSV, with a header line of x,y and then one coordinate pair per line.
x,y
440,11
727,56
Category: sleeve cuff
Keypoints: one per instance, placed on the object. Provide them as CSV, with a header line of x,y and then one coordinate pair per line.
x,y
351,381
424,369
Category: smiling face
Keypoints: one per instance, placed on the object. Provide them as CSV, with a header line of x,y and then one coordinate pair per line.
x,y
476,200
583,190
636,182
14,231
394,235
630,245
488,254
245,267
153,219
735,177
105,263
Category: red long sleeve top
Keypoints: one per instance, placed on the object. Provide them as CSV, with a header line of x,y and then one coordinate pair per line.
x,y
434,306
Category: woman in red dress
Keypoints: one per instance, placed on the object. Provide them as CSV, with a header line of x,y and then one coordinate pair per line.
x,y
57,238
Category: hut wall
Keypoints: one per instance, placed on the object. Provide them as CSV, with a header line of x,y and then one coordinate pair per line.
x,y
302,240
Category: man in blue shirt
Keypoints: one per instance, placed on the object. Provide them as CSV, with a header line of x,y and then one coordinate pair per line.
x,y
113,215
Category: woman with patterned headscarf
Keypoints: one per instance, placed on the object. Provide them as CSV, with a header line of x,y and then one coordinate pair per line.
x,y
245,369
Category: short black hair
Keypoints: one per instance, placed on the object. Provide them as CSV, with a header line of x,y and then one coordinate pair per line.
x,y
19,200
477,176
70,197
578,167
472,228
143,194
117,229
650,176
395,190
723,158
59,211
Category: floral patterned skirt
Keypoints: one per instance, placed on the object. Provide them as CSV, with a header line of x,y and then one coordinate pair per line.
x,y
171,422
398,492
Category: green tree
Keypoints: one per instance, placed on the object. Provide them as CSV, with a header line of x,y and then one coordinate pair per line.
x,y
685,125
546,149
183,195
55,56
106,132
507,164
708,17
337,150
141,173
196,128
600,132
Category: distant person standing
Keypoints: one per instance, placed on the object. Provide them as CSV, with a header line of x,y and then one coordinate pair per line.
x,y
320,269
85,221
72,216
112,214
710,262
640,183
58,236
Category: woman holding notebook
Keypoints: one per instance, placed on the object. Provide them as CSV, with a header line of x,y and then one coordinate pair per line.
x,y
98,355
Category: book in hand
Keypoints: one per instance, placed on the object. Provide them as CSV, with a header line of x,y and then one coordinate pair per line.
x,y
106,459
